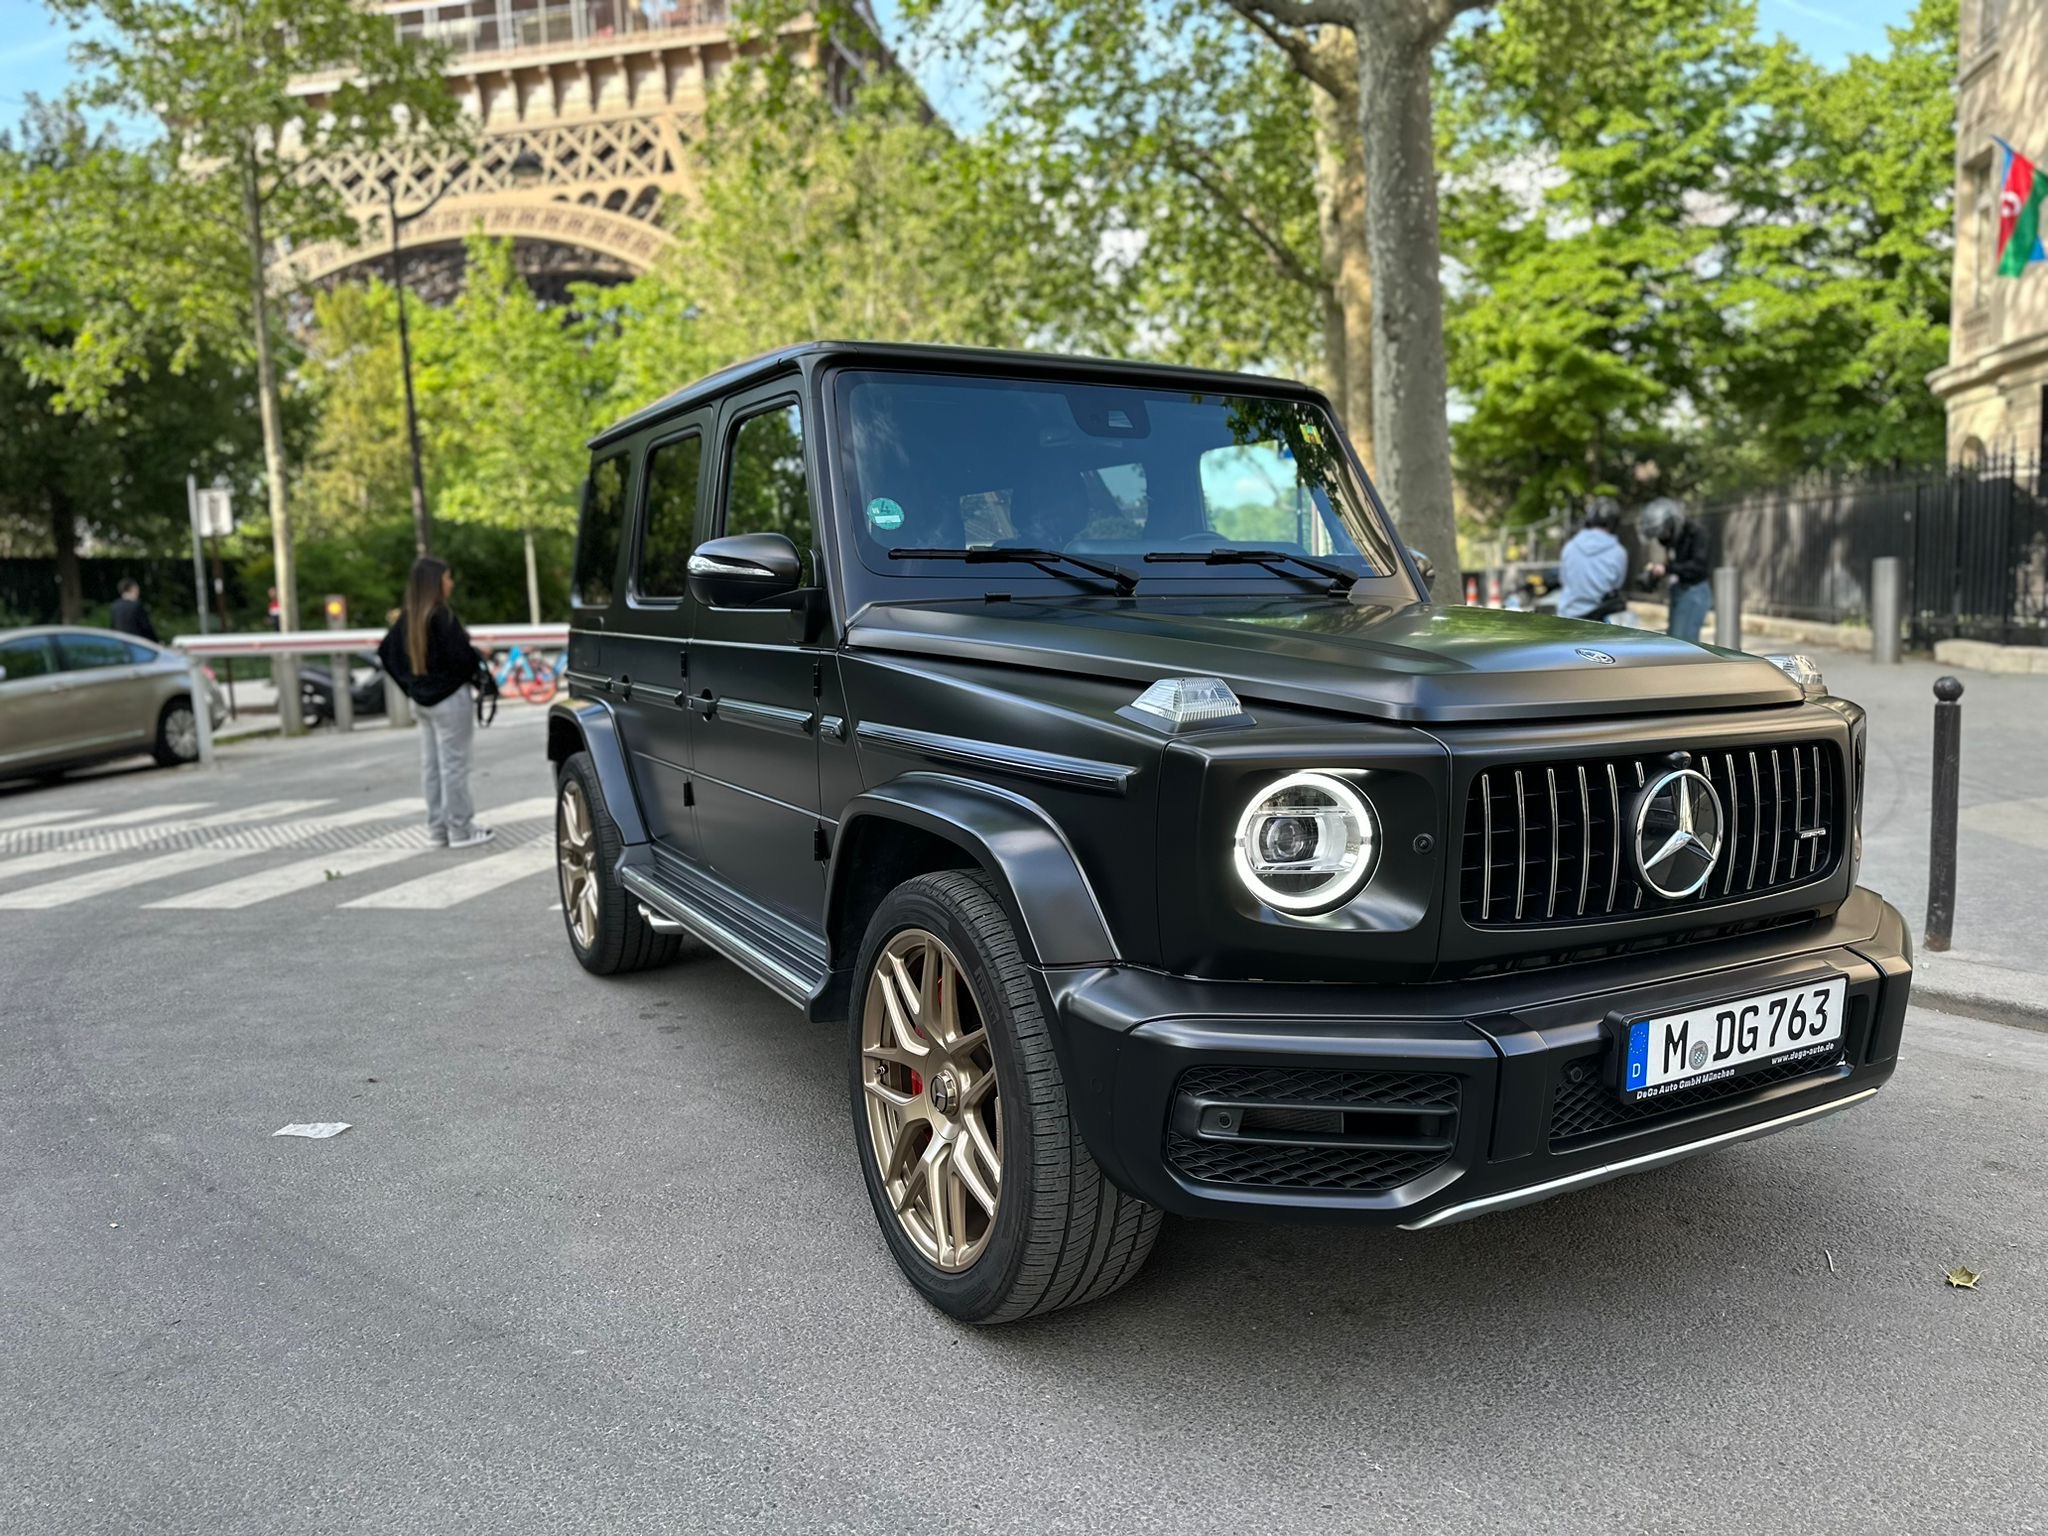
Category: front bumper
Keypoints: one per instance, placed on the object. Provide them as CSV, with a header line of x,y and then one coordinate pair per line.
x,y
1422,1105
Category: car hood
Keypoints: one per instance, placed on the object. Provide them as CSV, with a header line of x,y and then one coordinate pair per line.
x,y
1418,662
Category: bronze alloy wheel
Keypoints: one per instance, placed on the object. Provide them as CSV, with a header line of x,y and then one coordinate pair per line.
x,y
933,1102
576,860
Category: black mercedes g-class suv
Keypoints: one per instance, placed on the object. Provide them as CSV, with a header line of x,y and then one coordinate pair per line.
x,y
1080,734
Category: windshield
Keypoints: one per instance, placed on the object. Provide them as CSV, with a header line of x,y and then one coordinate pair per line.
x,y
1110,472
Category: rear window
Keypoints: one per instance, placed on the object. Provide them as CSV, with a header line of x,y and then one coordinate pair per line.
x,y
23,659
82,652
671,523
597,537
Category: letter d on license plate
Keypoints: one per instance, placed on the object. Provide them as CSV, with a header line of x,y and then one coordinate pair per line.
x,y
1732,1039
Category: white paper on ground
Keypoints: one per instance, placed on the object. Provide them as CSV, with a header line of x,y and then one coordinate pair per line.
x,y
316,1132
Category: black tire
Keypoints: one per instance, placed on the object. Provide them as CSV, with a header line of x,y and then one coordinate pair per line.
x,y
1062,1233
177,734
623,941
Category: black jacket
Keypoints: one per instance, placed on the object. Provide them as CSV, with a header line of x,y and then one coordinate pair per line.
x,y
451,659
131,618
1690,560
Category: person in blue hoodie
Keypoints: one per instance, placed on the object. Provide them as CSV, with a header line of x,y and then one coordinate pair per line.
x,y
1594,566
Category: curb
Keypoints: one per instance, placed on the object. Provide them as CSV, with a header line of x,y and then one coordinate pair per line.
x,y
1978,1005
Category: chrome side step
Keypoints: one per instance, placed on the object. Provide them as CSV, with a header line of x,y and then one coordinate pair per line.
x,y
670,909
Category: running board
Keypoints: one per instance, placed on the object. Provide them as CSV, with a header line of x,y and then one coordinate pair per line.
x,y
759,942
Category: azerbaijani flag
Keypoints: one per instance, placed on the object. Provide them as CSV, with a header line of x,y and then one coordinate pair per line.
x,y
2019,213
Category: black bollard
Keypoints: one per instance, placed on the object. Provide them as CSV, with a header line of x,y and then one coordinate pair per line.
x,y
1941,844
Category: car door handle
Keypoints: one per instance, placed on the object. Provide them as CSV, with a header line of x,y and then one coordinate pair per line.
x,y
703,704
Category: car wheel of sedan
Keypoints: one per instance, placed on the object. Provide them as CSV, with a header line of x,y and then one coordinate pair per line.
x,y
177,734
605,927
986,1195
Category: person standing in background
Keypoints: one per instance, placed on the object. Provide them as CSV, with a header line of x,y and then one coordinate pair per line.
x,y
130,616
429,654
1593,568
1686,570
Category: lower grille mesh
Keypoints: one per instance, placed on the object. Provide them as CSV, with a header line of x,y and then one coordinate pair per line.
x,y
1311,1129
1591,1107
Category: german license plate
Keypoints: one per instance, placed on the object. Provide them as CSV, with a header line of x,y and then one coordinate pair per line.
x,y
1732,1039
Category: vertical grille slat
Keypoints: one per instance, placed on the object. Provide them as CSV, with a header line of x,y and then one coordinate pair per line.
x,y
1788,800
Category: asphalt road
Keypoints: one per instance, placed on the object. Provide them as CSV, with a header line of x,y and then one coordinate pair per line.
x,y
595,1255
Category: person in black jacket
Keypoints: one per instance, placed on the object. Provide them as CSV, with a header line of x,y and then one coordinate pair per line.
x,y
428,653
130,617
1688,569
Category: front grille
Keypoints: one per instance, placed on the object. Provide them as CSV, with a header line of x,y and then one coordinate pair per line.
x,y
1549,842
1591,1108
1311,1128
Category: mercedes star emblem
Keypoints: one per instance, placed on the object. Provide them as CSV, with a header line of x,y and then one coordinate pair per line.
x,y
1678,833
1587,653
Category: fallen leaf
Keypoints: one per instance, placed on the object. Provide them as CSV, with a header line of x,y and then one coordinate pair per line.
x,y
1963,1279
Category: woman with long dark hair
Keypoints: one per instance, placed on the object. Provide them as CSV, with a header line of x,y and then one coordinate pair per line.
x,y
430,655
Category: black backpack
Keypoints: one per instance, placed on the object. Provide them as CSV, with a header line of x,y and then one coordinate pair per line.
x,y
486,695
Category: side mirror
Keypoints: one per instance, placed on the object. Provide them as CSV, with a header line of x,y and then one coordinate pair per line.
x,y
1426,566
745,570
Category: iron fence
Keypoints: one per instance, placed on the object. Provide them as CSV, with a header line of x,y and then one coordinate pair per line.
x,y
1972,543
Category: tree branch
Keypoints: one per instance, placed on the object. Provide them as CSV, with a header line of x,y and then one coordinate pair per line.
x,y
1302,13
1285,260
1299,50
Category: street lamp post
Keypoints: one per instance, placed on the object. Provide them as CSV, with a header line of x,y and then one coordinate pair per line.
x,y
526,169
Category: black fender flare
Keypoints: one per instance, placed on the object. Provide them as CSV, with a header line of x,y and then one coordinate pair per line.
x,y
1037,874
588,725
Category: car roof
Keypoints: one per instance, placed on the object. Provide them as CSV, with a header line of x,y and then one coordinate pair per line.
x,y
944,359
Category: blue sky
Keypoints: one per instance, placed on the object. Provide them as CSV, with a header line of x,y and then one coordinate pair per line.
x,y
32,46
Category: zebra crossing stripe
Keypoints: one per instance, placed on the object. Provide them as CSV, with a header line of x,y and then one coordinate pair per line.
x,y
98,882
43,820
80,853
473,877
128,818
269,884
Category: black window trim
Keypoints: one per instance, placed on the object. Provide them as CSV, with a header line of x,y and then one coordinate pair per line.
x,y
624,453
698,426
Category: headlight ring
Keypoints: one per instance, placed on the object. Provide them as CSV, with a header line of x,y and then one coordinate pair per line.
x,y
1306,843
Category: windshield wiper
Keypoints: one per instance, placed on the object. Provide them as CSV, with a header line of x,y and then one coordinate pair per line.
x,y
1340,579
1048,560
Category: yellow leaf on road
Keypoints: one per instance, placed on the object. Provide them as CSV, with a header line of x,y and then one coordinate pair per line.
x,y
1963,1279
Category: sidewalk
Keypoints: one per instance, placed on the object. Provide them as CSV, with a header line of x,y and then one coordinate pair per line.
x,y
1998,967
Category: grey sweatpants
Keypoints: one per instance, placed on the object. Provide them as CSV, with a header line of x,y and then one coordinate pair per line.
x,y
446,732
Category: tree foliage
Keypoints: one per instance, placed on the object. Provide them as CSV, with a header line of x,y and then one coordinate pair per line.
x,y
1686,257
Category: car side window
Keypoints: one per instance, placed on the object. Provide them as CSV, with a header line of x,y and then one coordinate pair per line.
x,y
766,487
139,653
80,653
23,659
670,528
597,537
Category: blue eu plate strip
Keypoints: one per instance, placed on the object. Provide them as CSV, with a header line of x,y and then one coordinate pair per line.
x,y
1638,1054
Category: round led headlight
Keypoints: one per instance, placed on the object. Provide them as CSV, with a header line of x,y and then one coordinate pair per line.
x,y
1305,843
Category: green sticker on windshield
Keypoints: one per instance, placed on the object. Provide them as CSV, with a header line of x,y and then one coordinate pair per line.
x,y
885,514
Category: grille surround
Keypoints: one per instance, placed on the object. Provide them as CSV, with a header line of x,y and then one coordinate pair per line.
x,y
1311,1129
1547,842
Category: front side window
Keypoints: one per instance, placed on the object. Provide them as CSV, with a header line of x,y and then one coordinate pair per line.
x,y
1151,479
766,487
597,539
81,653
671,524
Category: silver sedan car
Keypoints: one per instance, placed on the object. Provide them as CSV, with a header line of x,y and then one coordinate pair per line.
x,y
74,696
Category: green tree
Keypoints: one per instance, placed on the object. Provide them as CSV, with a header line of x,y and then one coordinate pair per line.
x,y
518,393
217,76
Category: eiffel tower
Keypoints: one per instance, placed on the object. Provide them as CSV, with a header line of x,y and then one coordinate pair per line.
x,y
584,108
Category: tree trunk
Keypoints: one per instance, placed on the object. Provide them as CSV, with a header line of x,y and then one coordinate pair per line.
x,y
1411,425
1340,208
285,670
532,580
64,544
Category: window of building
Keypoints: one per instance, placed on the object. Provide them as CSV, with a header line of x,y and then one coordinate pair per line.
x,y
670,529
597,539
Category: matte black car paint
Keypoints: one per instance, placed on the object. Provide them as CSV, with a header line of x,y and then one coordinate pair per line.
x,y
767,765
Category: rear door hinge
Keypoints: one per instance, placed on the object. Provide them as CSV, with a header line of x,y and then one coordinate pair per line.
x,y
821,844
689,793
817,677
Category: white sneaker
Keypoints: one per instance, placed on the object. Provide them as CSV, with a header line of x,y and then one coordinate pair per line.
x,y
475,838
